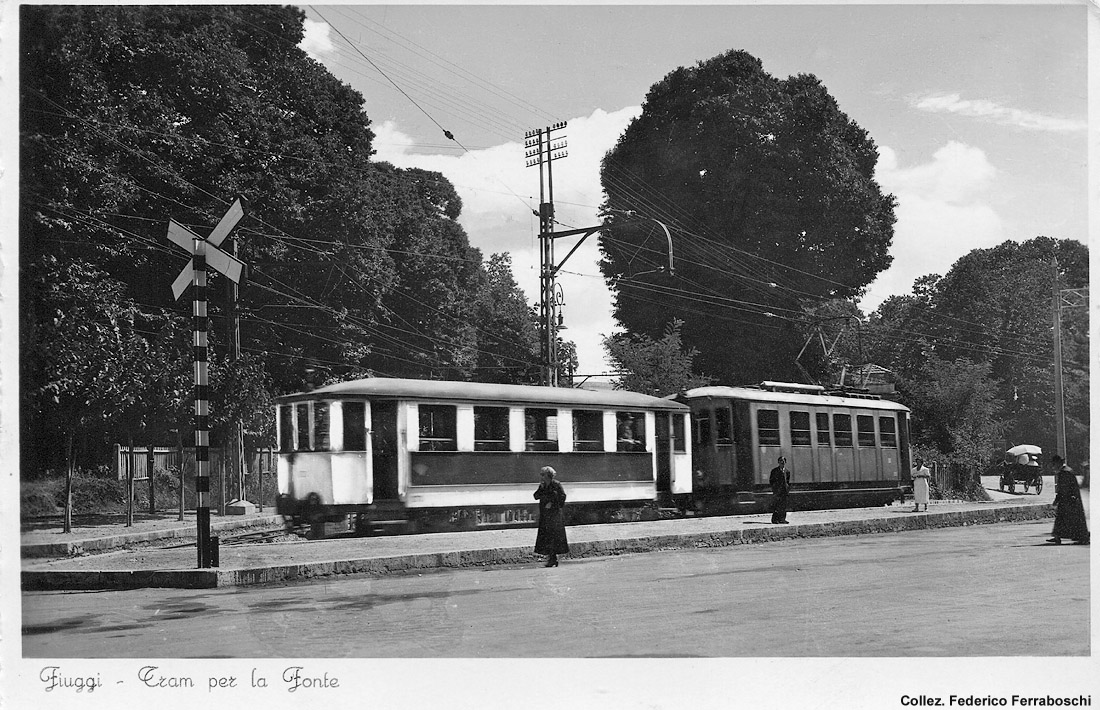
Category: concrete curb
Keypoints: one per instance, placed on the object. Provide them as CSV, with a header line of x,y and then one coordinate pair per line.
x,y
42,580
114,542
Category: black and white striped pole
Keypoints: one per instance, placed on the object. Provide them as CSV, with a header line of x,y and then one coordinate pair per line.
x,y
200,354
204,252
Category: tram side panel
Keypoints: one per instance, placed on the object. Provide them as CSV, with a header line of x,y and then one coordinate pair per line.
x,y
474,461
447,456
838,455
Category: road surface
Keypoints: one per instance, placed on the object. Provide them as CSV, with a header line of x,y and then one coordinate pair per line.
x,y
991,590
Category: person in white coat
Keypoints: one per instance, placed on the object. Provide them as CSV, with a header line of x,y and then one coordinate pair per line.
x,y
921,477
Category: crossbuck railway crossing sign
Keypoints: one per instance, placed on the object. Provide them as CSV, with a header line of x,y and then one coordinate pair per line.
x,y
203,252
228,265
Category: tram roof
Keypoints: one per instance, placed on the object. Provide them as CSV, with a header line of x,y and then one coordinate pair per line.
x,y
809,398
483,392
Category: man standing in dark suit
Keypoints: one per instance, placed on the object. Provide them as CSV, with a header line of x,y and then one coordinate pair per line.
x,y
781,485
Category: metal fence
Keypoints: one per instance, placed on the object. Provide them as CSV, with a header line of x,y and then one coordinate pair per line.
x,y
142,459
950,476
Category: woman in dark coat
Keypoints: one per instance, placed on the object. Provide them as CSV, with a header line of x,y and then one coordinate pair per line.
x,y
551,540
1069,517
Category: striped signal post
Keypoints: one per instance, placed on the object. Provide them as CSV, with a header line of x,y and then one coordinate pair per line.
x,y
200,353
204,252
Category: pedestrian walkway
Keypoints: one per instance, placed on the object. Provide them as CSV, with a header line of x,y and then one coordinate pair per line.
x,y
103,533
175,565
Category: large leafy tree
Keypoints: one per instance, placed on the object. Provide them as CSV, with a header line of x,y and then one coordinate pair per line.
x,y
956,411
768,190
896,334
131,115
508,337
995,305
993,309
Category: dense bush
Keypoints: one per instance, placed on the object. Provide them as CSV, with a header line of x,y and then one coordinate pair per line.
x,y
93,492
961,489
39,497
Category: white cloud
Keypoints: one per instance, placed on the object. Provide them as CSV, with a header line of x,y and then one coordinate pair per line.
x,y
499,194
316,41
941,215
994,112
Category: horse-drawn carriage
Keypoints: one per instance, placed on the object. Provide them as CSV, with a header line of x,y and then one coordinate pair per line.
x,y
1021,465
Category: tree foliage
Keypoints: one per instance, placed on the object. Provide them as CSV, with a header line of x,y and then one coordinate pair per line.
x,y
84,364
956,411
993,309
131,115
996,305
768,189
654,367
508,334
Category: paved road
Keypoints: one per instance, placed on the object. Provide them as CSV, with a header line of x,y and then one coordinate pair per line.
x,y
991,590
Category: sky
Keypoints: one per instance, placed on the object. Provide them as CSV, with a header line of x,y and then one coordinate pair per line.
x,y
979,114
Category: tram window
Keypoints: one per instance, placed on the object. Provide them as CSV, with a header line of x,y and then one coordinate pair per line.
x,y
631,431
888,432
540,429
767,427
723,425
800,429
286,429
678,443
438,431
355,426
490,428
303,427
702,427
320,426
842,428
865,424
587,430
823,436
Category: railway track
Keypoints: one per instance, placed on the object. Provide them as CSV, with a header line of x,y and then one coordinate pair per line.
x,y
245,538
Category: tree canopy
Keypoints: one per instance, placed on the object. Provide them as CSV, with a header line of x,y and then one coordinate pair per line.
x,y
131,115
654,367
767,188
994,310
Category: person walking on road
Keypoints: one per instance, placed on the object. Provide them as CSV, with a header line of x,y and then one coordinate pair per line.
x,y
780,480
1069,515
551,540
921,477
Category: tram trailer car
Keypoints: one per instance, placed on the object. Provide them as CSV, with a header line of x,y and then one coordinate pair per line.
x,y
417,455
843,449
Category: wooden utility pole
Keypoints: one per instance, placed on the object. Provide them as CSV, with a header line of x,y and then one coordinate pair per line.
x,y
1062,299
235,466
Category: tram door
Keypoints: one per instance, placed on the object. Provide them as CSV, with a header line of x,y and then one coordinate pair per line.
x,y
384,444
664,453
